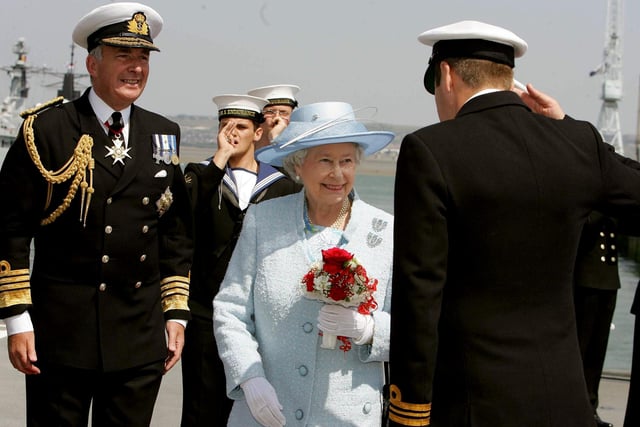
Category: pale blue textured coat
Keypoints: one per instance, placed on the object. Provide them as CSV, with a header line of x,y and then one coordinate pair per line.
x,y
264,326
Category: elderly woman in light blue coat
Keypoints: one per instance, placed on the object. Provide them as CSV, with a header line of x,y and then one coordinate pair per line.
x,y
268,331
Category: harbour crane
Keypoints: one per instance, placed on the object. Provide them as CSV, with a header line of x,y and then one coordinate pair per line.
x,y
611,69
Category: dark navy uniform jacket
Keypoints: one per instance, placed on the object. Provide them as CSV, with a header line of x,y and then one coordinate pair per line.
x,y
218,221
101,292
489,208
597,265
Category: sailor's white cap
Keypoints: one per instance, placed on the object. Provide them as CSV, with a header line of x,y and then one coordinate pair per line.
x,y
470,39
277,94
241,106
119,24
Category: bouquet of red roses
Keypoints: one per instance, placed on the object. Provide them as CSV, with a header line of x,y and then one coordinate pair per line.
x,y
340,279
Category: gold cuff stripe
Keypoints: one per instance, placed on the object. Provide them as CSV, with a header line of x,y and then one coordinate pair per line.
x,y
14,276
15,297
176,288
175,293
175,302
396,400
408,414
409,418
170,279
14,286
22,284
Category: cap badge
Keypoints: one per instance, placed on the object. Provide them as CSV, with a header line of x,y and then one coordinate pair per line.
x,y
138,24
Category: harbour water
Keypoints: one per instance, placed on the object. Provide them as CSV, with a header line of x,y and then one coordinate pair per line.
x,y
378,191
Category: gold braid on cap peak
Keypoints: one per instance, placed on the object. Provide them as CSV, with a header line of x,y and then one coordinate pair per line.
x,y
175,293
407,414
77,167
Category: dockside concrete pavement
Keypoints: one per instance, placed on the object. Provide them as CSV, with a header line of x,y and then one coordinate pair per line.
x,y
613,396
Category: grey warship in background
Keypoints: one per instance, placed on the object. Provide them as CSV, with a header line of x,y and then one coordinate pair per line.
x,y
18,98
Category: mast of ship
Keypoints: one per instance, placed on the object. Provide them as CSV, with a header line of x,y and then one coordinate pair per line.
x,y
68,90
18,87
15,101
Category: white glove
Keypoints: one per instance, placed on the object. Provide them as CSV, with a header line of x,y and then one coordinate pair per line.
x,y
263,402
338,320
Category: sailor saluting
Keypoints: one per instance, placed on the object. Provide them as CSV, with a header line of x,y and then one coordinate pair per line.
x,y
111,223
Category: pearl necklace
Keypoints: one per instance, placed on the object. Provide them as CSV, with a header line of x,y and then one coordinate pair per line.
x,y
342,215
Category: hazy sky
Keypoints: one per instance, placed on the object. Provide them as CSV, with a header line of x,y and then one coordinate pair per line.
x,y
361,51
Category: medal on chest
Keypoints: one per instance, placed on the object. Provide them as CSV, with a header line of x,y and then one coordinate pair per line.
x,y
117,151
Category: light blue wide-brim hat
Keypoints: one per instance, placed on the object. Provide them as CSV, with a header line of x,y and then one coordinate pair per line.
x,y
322,123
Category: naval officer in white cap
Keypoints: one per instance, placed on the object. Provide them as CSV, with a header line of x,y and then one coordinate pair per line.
x,y
96,184
277,113
222,190
489,207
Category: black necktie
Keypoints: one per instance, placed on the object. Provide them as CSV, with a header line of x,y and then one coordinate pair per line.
x,y
116,125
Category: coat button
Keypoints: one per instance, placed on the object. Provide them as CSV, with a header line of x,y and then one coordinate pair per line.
x,y
366,408
105,259
602,234
138,284
613,259
102,286
145,229
145,201
303,371
602,246
299,414
307,327
109,200
108,229
603,259
143,257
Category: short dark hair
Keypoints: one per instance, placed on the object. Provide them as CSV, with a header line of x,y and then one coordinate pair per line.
x,y
478,72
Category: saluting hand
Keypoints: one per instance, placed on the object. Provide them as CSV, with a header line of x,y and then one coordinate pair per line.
x,y
175,344
22,352
541,103
279,124
226,144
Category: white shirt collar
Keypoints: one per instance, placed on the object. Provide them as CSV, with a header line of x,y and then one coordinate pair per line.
x,y
103,111
482,92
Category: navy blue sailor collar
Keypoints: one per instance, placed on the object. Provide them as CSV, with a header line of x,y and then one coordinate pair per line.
x,y
267,175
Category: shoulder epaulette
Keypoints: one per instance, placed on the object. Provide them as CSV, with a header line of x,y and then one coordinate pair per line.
x,y
41,107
